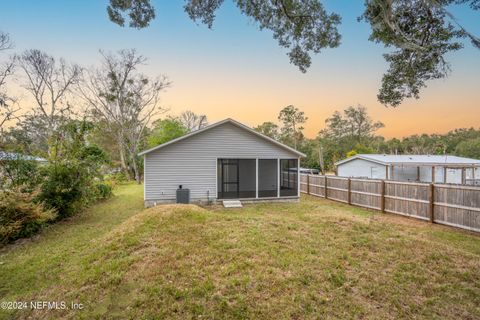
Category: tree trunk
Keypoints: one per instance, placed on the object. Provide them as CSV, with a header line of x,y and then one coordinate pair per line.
x,y
135,170
123,163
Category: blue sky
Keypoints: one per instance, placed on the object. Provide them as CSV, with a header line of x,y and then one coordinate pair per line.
x,y
237,71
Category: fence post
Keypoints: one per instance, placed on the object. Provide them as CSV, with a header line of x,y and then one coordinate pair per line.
x,y
349,191
431,199
308,184
326,187
382,199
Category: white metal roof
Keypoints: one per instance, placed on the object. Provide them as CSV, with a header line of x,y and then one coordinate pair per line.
x,y
229,120
392,159
17,156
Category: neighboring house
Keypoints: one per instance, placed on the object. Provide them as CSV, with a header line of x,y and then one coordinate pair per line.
x,y
423,168
10,156
226,160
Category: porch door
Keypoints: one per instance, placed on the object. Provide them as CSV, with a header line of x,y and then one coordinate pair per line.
x,y
230,178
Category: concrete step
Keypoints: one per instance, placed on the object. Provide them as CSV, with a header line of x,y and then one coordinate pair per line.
x,y
232,204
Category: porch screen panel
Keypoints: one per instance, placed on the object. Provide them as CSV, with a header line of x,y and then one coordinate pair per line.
x,y
247,173
267,178
288,177
236,178
228,178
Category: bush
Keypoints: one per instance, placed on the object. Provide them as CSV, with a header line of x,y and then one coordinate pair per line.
x,y
67,189
62,189
117,178
103,190
16,172
20,216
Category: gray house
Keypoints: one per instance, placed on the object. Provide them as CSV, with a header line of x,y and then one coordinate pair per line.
x,y
226,160
421,168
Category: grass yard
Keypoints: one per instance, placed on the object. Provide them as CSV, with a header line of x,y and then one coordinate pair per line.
x,y
314,259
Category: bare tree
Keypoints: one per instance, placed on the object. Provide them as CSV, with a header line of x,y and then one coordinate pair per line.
x,y
8,107
192,121
50,82
5,41
125,100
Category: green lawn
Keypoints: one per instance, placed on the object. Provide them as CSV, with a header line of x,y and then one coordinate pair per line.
x,y
314,259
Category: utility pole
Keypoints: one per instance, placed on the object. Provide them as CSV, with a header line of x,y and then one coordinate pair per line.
x,y
320,159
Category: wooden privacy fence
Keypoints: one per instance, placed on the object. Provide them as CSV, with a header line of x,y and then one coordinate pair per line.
x,y
453,205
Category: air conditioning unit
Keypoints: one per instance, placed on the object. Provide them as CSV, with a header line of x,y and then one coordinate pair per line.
x,y
183,195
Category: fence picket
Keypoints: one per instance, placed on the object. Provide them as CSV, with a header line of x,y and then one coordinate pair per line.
x,y
453,205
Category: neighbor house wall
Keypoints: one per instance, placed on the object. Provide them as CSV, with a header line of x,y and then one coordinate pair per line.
x,y
407,173
426,174
361,168
193,162
454,175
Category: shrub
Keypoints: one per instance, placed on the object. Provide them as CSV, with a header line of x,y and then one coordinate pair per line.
x,y
16,172
74,166
62,189
117,178
20,216
103,190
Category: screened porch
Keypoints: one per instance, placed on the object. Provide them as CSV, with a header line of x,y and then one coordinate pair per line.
x,y
257,178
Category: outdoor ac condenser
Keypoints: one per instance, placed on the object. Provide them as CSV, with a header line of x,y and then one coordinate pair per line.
x,y
183,195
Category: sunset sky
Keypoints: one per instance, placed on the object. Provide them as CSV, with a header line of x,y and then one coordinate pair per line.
x,y
237,71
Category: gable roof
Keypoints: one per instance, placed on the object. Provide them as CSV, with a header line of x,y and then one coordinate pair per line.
x,y
388,159
228,120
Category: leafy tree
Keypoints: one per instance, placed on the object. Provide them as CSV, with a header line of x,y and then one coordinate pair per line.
x,y
392,146
269,129
166,130
360,149
469,148
303,27
292,119
313,150
31,134
140,12
455,137
101,136
330,151
17,172
350,132
421,32
422,37
72,171
355,124
126,101
433,143
192,121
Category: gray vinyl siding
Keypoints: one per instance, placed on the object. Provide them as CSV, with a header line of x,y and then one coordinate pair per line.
x,y
193,162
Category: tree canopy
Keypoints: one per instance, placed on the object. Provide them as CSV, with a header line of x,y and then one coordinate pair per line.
x,y
165,130
421,32
292,119
269,129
